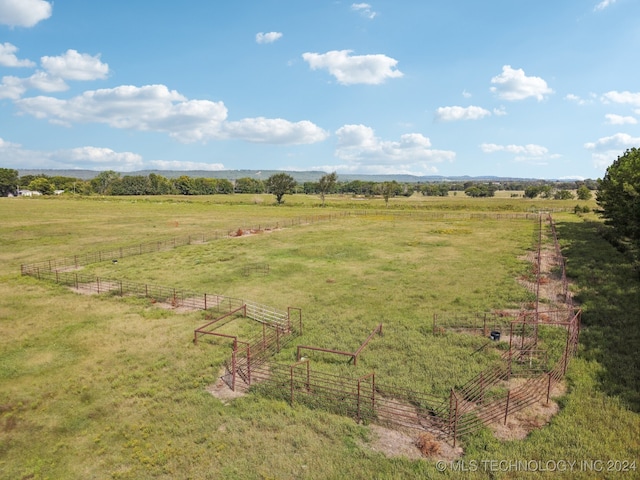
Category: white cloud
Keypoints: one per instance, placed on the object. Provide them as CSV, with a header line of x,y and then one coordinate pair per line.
x,y
607,149
613,119
466,94
626,98
23,13
513,84
98,157
8,57
82,157
75,66
12,87
184,166
156,108
364,152
451,114
364,9
275,130
530,153
500,111
529,150
603,4
70,66
269,37
353,69
147,108
4,145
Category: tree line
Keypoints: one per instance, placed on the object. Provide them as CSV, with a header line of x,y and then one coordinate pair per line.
x,y
113,183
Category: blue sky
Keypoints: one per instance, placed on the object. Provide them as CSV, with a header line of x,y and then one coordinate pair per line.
x,y
542,89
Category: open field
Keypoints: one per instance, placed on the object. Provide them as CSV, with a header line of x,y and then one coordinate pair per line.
x,y
107,387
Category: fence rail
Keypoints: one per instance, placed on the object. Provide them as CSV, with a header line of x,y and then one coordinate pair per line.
x,y
484,399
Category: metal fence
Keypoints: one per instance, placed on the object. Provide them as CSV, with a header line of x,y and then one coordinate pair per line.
x,y
484,399
487,398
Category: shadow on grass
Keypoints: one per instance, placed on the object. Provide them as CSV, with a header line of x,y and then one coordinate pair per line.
x,y
606,287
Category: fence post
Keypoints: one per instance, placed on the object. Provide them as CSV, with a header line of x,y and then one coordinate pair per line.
x,y
277,338
205,301
76,281
506,410
249,364
484,326
291,373
358,402
566,351
549,388
233,366
98,284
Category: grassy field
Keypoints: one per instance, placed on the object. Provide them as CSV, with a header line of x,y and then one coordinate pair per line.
x,y
103,387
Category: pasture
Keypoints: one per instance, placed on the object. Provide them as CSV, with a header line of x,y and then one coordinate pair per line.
x,y
108,387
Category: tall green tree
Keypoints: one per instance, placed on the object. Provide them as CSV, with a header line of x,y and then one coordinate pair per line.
x,y
280,184
326,184
42,185
8,182
101,183
618,196
584,193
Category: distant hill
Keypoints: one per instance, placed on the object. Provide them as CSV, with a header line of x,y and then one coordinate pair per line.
x,y
300,177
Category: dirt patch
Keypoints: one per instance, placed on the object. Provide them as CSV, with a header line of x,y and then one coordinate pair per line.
x,y
522,423
400,443
95,288
222,392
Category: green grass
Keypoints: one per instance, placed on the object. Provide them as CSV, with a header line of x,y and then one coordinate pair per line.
x,y
104,387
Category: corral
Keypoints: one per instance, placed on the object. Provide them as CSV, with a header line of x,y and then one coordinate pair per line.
x,y
488,397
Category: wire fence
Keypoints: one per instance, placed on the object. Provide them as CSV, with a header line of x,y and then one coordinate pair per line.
x,y
524,376
487,398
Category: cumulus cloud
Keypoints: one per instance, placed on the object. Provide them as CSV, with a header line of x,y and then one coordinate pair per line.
x,y
625,98
269,37
75,66
12,87
98,157
156,108
147,108
613,119
69,66
513,84
605,150
88,157
603,4
530,149
530,153
184,166
24,13
353,69
364,152
275,130
8,57
364,9
455,113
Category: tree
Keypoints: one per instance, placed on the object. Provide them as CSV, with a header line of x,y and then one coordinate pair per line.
x,y
618,196
8,182
563,195
326,184
279,184
583,193
389,189
103,181
42,185
249,185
